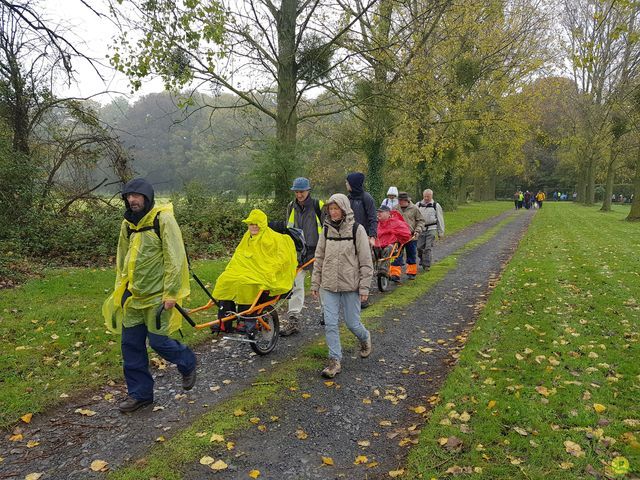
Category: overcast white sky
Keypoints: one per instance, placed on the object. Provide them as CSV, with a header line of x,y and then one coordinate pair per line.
x,y
93,35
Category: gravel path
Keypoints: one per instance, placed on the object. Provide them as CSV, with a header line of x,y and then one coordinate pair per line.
x,y
69,441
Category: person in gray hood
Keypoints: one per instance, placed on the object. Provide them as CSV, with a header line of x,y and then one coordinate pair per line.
x,y
341,277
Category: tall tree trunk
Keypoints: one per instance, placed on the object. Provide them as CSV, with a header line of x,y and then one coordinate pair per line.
x,y
379,119
634,214
608,187
590,184
376,156
286,112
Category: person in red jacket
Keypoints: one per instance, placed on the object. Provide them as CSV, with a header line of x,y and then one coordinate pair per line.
x,y
392,228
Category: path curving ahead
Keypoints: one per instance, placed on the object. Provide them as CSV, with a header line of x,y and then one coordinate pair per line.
x,y
335,419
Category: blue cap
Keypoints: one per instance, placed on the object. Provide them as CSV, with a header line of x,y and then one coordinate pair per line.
x,y
301,184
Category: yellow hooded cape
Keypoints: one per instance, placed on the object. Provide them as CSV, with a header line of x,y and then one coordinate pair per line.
x,y
152,269
266,261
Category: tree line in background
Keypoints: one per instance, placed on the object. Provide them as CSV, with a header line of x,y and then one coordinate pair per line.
x,y
467,98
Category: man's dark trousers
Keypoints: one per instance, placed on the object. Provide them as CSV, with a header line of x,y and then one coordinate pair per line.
x,y
136,361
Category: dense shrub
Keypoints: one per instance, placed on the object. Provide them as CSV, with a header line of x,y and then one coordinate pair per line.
x,y
88,234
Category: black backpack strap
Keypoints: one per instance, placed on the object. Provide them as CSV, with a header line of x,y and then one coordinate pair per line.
x,y
155,227
354,231
316,207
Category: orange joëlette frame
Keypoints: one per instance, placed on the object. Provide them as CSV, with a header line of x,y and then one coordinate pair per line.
x,y
252,309
395,252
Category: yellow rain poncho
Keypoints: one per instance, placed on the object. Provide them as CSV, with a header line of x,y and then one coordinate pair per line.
x,y
266,261
153,269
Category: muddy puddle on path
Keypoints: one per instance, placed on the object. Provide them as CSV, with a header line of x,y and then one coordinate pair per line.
x,y
334,418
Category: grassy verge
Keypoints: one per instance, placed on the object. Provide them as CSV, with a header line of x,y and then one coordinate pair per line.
x,y
187,447
548,383
54,340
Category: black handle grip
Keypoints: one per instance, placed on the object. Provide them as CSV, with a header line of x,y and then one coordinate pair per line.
x,y
182,311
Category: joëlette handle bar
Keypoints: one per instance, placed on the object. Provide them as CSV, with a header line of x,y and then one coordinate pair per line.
x,y
182,311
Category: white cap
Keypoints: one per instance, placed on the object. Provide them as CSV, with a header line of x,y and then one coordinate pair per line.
x,y
392,191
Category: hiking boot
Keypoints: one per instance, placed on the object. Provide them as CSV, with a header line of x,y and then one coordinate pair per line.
x,y
189,380
411,276
426,268
131,404
395,278
364,304
332,368
290,326
365,346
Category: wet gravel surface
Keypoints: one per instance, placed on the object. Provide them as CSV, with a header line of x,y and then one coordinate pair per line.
x,y
334,417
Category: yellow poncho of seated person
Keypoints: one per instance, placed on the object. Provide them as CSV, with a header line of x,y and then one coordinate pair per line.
x,y
266,261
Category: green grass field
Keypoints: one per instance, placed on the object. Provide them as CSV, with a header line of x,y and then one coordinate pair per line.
x,y
548,385
55,343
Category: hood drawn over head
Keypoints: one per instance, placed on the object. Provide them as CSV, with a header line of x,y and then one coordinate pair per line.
x,y
342,201
356,181
143,187
257,217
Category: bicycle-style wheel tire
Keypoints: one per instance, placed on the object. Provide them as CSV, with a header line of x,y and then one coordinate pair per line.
x,y
383,282
264,341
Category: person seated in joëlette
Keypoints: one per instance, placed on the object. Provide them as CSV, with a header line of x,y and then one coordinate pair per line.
x,y
392,229
264,260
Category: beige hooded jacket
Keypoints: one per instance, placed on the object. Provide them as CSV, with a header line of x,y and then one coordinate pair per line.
x,y
339,265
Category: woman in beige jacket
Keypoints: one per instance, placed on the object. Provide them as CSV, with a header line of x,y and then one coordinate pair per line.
x,y
341,277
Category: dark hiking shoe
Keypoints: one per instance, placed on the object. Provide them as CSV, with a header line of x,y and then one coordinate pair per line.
x,y
395,278
291,326
364,305
365,347
131,404
332,368
426,268
410,276
189,380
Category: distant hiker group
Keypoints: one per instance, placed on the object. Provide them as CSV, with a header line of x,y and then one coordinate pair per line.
x,y
339,238
528,200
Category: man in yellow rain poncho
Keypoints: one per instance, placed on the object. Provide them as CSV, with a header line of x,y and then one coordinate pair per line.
x,y
151,269
264,260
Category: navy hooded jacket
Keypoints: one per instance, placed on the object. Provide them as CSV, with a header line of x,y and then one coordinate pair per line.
x,y
141,186
362,204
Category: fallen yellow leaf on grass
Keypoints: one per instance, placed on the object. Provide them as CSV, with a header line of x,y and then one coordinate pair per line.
x,y
542,391
599,408
219,465
360,459
206,460
16,438
262,428
396,473
32,443
161,439
99,466
301,434
384,423
254,420
566,465
573,448
491,404
364,443
33,476
239,412
327,461
329,383
306,395
231,445
254,473
419,409
26,418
